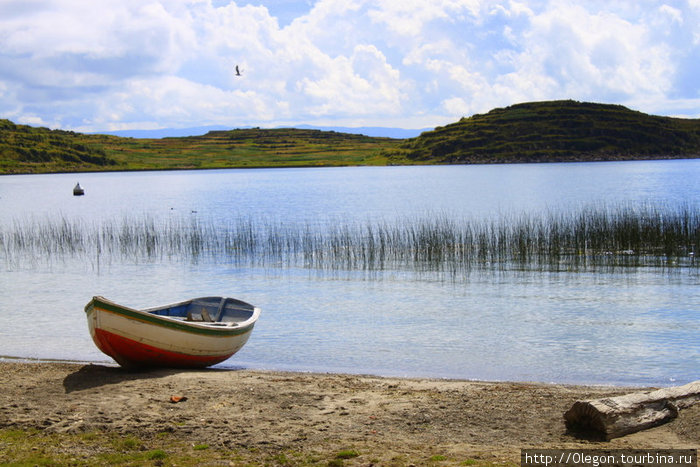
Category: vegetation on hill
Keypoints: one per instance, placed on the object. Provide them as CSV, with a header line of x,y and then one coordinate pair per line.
x,y
255,147
554,131
531,132
28,149
25,149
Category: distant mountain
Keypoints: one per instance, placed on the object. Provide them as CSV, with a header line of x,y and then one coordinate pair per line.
x,y
163,132
553,131
380,132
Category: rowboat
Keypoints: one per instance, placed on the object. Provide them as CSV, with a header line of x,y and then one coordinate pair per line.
x,y
192,334
78,190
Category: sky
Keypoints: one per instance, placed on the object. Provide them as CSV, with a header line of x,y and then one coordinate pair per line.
x,y
105,65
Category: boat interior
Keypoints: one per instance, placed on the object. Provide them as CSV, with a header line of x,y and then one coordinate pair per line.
x,y
224,310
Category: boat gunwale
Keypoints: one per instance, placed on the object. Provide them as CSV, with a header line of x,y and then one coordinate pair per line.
x,y
211,329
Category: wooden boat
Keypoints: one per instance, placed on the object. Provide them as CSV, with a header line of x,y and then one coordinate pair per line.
x,y
192,334
78,190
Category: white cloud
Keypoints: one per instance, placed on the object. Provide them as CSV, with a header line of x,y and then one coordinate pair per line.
x,y
168,63
361,85
674,14
597,55
456,106
409,17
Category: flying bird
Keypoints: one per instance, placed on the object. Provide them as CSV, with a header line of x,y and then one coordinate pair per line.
x,y
238,72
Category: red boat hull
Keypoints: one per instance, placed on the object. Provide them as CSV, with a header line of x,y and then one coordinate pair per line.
x,y
130,353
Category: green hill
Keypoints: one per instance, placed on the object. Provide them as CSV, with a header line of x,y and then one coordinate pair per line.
x,y
25,149
254,147
28,149
554,131
532,132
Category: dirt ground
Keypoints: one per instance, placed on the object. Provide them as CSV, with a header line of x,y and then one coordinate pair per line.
x,y
382,418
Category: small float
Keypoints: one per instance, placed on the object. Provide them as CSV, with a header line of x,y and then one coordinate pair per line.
x,y
78,190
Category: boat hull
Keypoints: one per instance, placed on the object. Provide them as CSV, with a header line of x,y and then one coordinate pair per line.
x,y
136,338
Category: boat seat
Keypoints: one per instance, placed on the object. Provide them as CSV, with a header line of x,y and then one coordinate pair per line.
x,y
203,316
220,311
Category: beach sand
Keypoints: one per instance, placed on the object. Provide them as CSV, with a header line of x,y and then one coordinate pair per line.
x,y
260,414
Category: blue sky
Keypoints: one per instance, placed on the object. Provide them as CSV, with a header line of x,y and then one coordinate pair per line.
x,y
104,65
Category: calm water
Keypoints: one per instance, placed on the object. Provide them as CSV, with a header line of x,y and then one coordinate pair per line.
x,y
625,327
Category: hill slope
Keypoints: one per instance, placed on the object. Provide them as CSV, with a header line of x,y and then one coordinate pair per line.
x,y
25,149
531,132
554,131
253,147
28,149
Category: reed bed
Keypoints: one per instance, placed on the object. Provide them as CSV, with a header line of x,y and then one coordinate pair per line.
x,y
624,236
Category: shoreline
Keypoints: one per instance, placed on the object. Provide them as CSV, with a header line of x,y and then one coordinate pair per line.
x,y
659,158
250,416
619,386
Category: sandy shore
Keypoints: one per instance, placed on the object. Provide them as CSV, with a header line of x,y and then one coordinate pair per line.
x,y
387,421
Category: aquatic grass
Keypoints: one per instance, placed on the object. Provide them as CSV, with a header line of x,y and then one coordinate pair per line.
x,y
594,236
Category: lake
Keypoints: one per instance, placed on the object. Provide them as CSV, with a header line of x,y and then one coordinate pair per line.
x,y
630,326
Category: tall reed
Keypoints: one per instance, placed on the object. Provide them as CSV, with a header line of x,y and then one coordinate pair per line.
x,y
596,236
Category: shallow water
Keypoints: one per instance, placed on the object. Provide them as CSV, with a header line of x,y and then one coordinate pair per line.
x,y
618,326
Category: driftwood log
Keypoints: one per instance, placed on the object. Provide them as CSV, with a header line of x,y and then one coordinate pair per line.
x,y
613,417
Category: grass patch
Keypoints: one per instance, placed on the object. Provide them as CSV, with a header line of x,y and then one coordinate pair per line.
x,y
156,454
128,444
97,448
347,454
33,447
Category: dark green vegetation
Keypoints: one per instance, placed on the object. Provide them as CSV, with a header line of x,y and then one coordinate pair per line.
x,y
557,131
590,238
25,149
532,132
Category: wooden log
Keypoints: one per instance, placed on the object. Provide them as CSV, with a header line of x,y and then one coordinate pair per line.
x,y
613,417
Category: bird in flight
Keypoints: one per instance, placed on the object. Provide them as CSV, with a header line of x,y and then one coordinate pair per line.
x,y
238,72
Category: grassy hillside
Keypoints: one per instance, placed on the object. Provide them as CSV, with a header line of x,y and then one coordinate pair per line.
x,y
554,131
532,132
251,148
25,149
